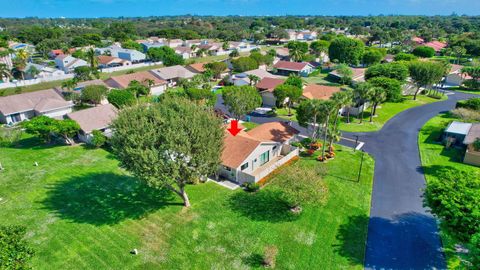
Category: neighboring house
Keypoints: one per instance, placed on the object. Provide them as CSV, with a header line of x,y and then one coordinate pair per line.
x,y
173,74
472,155
358,74
283,53
184,51
95,118
455,77
456,132
301,35
17,46
266,86
147,45
105,61
253,155
44,71
122,81
133,56
315,91
286,68
173,43
110,50
196,68
17,108
436,45
389,58
68,63
261,73
240,79
54,53
81,85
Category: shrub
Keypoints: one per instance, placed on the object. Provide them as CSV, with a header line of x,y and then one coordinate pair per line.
x,y
454,197
392,87
472,104
466,114
405,57
244,63
98,139
121,98
424,52
9,136
394,70
472,84
14,251
251,187
476,144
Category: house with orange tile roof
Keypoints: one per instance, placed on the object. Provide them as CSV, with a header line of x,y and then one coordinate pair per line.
x,y
106,61
122,81
252,155
315,91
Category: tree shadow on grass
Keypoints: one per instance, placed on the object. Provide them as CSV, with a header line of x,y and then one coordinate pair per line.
x,y
406,241
105,198
255,260
263,205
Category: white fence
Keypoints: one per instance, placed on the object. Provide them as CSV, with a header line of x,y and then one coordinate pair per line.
x,y
132,66
70,76
35,81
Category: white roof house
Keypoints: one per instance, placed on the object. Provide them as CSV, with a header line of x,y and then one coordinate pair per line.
x,y
68,63
459,128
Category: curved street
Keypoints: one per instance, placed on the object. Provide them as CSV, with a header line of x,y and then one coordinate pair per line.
x,y
402,234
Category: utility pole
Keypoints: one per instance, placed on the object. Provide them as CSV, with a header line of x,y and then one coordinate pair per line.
x,y
361,165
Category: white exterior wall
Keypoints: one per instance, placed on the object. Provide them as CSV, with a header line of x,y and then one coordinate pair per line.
x,y
454,80
158,90
58,112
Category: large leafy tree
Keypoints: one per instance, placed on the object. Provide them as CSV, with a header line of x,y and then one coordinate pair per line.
x,y
372,56
66,129
288,92
217,68
346,50
92,58
345,73
319,47
310,115
15,253
242,64
425,74
121,98
94,94
392,87
474,72
394,70
424,52
45,128
165,54
4,72
240,100
294,80
169,144
137,88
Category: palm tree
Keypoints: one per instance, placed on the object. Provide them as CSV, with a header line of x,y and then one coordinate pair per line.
x,y
339,100
69,85
254,79
33,71
295,53
21,61
149,83
377,96
92,58
362,92
328,107
5,72
348,103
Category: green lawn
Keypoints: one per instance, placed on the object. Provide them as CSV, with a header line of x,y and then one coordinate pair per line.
x,y
320,78
434,157
283,113
465,90
82,212
249,125
384,113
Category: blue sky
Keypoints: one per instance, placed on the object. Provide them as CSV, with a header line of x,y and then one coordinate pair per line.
x,y
115,8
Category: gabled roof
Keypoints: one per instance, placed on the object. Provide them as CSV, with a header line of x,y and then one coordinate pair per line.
x,y
358,74
122,81
105,59
294,66
173,72
261,73
197,67
273,131
315,91
41,101
95,118
237,148
269,84
455,68
436,45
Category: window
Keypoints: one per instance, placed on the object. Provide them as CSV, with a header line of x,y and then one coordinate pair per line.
x,y
244,166
264,157
274,148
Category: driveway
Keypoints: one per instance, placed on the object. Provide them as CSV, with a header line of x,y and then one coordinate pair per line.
x,y
402,234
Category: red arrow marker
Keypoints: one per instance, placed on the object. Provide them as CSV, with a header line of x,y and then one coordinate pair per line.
x,y
234,130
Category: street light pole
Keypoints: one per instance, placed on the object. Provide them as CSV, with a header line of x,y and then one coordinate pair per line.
x,y
361,165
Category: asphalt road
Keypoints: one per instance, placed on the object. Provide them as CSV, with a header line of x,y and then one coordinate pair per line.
x,y
402,234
